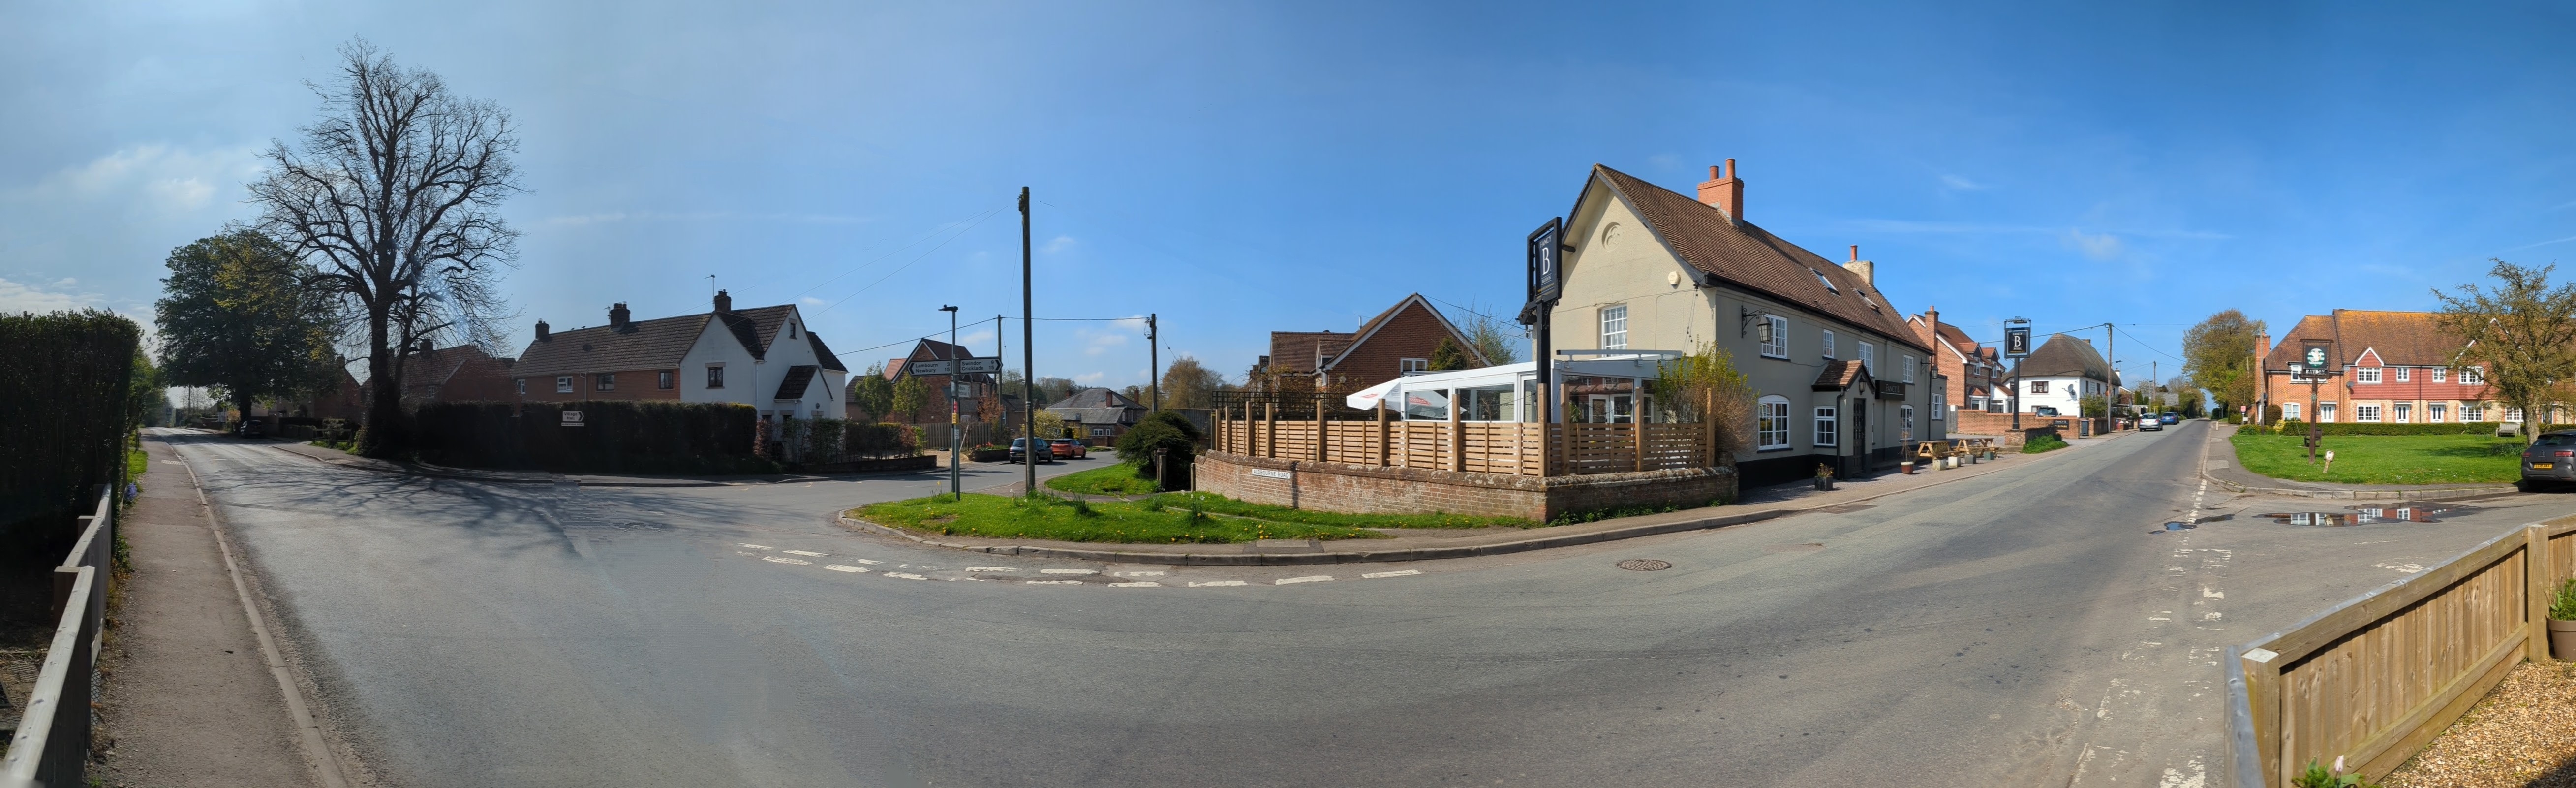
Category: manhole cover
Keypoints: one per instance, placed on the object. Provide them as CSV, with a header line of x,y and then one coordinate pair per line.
x,y
1644,564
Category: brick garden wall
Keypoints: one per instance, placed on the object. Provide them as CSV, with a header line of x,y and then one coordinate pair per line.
x,y
1369,489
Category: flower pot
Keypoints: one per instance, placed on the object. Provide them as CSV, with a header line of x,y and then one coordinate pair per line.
x,y
2562,639
1907,466
1824,482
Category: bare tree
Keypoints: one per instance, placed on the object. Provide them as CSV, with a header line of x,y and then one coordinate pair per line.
x,y
392,197
2523,332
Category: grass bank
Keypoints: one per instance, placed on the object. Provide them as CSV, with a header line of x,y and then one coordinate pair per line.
x,y
1174,518
2385,459
1117,479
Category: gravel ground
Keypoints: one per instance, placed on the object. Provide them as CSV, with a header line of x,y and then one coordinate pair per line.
x,y
2522,734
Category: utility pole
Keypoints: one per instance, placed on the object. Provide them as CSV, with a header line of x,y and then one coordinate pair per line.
x,y
1028,356
1154,364
956,431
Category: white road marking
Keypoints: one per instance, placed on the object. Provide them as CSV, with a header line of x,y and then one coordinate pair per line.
x,y
1135,574
777,560
1068,571
1053,582
1213,583
2211,616
1396,573
1137,584
905,576
2212,593
806,552
1306,579
868,562
992,569
2196,777
840,568
757,546
2161,615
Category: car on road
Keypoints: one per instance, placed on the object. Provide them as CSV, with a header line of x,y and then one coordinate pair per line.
x,y
1069,449
2169,419
2550,459
2151,423
1020,451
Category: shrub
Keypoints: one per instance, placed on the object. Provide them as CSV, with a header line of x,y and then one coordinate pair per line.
x,y
2563,607
66,383
2047,441
616,435
2446,428
1166,430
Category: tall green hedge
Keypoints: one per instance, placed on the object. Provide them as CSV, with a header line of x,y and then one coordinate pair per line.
x,y
66,408
2351,428
616,435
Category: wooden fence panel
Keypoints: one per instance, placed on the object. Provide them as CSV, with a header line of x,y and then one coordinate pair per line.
x,y
1509,448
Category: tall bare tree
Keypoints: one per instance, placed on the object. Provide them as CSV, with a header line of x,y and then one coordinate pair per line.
x,y
392,197
2522,331
1190,384
2218,355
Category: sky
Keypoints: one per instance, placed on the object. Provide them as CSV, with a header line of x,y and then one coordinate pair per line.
x,y
1239,168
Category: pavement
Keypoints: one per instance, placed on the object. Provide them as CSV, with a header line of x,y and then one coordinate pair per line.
x,y
2224,469
2034,625
345,459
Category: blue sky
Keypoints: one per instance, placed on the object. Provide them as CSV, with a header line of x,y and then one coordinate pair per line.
x,y
1242,168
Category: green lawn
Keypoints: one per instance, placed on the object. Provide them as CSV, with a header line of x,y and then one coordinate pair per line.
x,y
1162,519
2385,459
1118,479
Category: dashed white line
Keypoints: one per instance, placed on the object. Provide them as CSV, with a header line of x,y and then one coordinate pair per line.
x,y
777,560
1068,571
1396,573
1053,582
1137,584
1307,579
905,576
1215,583
840,568
1136,574
805,552
868,562
757,546
992,569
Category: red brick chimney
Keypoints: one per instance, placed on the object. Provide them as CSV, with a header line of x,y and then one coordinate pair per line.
x,y
1725,191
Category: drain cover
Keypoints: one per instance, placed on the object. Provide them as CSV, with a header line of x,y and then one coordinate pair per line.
x,y
1644,564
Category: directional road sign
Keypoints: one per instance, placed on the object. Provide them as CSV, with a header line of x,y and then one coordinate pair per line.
x,y
963,366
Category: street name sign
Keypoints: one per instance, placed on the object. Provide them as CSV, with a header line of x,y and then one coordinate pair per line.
x,y
572,418
963,366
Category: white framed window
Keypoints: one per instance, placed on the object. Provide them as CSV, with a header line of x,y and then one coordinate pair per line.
x,y
1869,358
2325,413
2404,374
2473,411
2039,387
715,376
1905,419
2471,376
1614,327
2513,414
563,384
2365,413
1940,404
521,383
2434,413
1775,336
2405,411
1772,423
1827,340
1826,433
2441,375
2365,374
1909,367
2289,410
1412,365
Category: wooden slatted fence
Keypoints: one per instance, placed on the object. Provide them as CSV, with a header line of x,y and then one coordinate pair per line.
x,y
1509,448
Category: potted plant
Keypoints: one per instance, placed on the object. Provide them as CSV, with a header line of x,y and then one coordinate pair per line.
x,y
1824,476
2562,622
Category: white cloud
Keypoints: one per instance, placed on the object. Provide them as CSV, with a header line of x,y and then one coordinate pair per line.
x,y
1061,243
2543,243
16,297
1096,341
812,301
1090,378
157,176
976,338
2104,246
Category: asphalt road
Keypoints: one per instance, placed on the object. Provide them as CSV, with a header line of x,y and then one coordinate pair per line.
x,y
2019,628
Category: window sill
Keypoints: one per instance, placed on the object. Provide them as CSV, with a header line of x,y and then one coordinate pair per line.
x,y
1774,448
1779,358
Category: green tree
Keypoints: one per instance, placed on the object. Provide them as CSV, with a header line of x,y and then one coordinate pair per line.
x,y
236,314
873,393
910,394
2522,331
1054,390
2093,406
1706,385
1189,384
1450,355
2218,356
1498,341
1165,430
149,398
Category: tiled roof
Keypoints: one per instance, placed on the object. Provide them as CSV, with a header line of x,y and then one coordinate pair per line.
x,y
1097,415
2065,356
792,385
1839,375
1747,256
823,353
646,344
2404,339
1296,351
1368,330
1095,398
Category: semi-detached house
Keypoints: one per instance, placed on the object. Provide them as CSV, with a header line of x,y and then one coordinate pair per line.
x,y
1841,379
764,357
2388,367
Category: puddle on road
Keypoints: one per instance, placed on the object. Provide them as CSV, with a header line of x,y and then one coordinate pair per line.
x,y
2186,525
2369,515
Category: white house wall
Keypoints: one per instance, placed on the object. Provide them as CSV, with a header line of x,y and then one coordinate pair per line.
x,y
716,344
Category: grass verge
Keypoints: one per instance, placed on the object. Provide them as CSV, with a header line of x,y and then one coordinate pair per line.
x,y
1173,518
1118,479
2385,459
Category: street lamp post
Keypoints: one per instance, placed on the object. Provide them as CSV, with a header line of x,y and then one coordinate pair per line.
x,y
956,437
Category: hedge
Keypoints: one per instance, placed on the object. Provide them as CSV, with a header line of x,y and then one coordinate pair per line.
x,y
2365,428
66,410
616,435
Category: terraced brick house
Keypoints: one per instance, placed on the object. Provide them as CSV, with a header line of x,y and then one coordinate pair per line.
x,y
2390,367
1976,378
765,357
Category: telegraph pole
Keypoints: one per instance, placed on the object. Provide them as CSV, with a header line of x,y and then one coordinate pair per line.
x,y
1028,356
1154,363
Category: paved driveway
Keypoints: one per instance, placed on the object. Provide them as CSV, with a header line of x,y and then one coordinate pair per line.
x,y
2022,628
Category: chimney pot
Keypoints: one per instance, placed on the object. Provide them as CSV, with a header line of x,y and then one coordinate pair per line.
x,y
1725,191
1855,251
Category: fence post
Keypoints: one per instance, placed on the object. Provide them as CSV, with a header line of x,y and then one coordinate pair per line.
x,y
2263,702
1457,436
2537,591
1637,427
1545,429
1270,436
1381,433
1708,427
1319,428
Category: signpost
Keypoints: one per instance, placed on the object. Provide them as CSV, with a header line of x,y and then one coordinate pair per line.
x,y
963,366
1546,283
2313,366
956,428
2016,346
572,418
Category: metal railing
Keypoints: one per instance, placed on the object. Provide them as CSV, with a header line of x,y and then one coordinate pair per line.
x,y
2374,679
51,747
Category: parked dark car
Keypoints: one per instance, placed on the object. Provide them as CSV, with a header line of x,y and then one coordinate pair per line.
x,y
2550,459
1069,449
1020,451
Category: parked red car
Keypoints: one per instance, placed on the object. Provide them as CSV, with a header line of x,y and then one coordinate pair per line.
x,y
1069,449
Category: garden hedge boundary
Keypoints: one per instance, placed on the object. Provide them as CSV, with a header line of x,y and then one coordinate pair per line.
x,y
615,436
2350,428
66,410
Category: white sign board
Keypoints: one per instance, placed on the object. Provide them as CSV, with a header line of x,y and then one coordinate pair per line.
x,y
1267,473
963,366
572,418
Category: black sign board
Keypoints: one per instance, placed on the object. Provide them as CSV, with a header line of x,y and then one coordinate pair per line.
x,y
2016,341
2319,358
1544,283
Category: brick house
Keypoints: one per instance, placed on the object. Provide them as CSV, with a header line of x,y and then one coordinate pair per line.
x,y
1976,375
463,373
2392,367
764,357
1396,341
980,386
1097,415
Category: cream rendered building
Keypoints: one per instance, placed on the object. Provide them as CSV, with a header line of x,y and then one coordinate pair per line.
x,y
1842,380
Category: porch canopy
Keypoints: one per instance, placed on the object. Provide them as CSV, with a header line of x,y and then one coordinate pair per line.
x,y
1600,386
